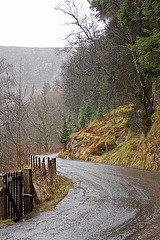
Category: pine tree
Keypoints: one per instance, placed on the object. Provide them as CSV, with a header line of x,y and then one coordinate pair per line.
x,y
99,114
64,135
81,121
87,111
69,123
85,114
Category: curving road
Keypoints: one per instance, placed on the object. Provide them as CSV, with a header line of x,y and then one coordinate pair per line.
x,y
107,202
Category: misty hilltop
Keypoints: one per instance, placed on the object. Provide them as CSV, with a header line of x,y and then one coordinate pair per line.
x,y
39,65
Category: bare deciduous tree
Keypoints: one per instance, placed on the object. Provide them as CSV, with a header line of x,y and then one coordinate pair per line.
x,y
44,121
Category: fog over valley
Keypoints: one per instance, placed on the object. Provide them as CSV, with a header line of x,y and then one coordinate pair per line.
x,y
38,65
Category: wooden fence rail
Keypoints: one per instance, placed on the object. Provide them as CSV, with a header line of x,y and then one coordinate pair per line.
x,y
35,162
17,188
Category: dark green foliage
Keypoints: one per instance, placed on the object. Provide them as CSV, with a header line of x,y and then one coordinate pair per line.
x,y
81,122
70,124
146,123
148,49
145,47
87,111
64,135
119,66
106,8
146,42
85,114
100,112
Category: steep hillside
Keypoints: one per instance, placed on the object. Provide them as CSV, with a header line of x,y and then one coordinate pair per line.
x,y
110,141
39,65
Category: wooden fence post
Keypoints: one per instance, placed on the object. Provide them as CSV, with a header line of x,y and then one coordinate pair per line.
x,y
13,194
1,197
28,198
49,163
20,207
36,162
39,163
50,169
43,166
33,162
5,195
9,187
54,166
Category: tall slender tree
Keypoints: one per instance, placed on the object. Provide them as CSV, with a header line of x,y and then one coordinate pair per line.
x,y
64,135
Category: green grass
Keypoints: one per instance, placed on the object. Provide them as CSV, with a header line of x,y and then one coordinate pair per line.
x,y
6,222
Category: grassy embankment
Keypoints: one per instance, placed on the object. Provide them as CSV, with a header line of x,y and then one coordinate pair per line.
x,y
97,142
50,197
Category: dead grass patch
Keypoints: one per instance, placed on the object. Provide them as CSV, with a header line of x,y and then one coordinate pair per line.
x,y
50,196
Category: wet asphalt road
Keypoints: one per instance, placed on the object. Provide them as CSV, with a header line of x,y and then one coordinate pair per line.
x,y
107,202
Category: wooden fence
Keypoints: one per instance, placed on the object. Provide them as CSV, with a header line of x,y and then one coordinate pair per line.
x,y
17,188
36,163
11,195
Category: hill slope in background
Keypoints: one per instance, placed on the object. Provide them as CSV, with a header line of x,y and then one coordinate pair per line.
x,y
39,65
110,141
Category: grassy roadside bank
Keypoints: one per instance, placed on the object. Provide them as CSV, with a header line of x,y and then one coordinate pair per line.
x,y
97,142
61,190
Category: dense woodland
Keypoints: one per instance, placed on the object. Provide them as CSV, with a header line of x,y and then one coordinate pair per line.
x,y
116,66
108,67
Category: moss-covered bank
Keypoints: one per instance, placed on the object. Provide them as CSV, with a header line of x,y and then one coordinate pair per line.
x,y
110,141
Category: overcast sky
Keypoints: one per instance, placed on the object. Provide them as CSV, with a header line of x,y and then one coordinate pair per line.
x,y
32,23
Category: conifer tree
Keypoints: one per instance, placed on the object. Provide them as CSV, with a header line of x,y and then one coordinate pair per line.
x,y
81,122
87,111
69,124
64,135
85,114
99,114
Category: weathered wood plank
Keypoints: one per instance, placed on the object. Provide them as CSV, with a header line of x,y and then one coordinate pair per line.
x,y
28,201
